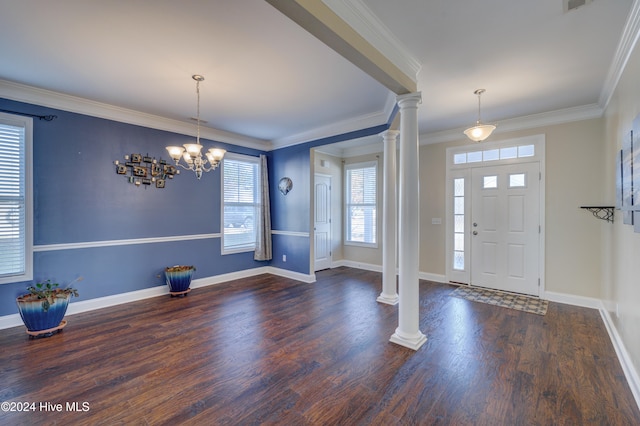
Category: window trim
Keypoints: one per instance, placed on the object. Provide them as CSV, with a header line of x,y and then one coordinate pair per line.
x,y
346,204
27,124
247,159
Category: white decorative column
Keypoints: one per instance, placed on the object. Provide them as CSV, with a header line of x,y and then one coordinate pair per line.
x,y
408,334
389,293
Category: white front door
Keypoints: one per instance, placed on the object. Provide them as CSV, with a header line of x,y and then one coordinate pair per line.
x,y
505,227
322,222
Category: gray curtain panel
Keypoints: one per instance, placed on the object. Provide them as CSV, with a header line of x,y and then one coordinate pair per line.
x,y
263,224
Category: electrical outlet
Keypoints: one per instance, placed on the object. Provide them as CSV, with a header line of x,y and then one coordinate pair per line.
x,y
284,257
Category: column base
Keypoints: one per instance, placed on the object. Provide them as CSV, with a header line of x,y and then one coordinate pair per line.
x,y
388,299
413,342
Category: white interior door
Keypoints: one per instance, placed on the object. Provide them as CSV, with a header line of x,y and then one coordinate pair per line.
x,y
505,227
322,222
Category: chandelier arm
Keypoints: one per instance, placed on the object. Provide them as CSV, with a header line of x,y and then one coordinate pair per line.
x,y
184,167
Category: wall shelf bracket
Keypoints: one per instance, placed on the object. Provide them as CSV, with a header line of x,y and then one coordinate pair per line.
x,y
604,213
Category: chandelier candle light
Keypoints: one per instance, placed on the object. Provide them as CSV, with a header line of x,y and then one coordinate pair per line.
x,y
192,152
480,131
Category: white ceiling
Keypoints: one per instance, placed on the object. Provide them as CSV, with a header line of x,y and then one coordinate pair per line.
x,y
268,79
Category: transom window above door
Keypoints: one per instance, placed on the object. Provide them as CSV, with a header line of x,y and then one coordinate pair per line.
x,y
495,154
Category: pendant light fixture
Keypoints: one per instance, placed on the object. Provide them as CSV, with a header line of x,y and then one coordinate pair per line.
x,y
191,153
480,131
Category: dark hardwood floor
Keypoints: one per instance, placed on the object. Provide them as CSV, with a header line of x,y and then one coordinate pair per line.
x,y
269,350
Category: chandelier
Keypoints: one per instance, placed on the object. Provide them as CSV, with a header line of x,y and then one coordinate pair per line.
x,y
480,131
192,152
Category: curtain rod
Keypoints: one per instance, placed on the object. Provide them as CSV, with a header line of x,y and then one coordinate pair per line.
x,y
40,117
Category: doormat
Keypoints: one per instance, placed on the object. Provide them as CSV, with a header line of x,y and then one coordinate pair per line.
x,y
520,302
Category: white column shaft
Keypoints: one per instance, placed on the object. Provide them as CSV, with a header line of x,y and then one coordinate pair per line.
x,y
408,333
389,293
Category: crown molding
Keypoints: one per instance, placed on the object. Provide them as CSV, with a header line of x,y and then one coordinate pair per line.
x,y
628,41
374,145
366,145
561,116
33,95
340,127
359,17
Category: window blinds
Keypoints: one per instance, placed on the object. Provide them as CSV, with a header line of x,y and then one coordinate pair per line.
x,y
241,200
13,244
361,203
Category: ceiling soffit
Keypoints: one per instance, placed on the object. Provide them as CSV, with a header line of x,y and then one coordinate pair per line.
x,y
324,23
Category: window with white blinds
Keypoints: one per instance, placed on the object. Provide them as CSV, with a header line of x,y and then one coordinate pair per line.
x,y
361,203
240,202
15,199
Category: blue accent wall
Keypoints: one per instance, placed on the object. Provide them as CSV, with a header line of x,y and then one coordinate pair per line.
x,y
291,213
78,197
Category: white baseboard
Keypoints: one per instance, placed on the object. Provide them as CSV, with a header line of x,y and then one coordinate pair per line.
x,y
357,265
427,276
378,268
305,278
570,299
9,321
618,344
337,263
623,356
14,320
217,279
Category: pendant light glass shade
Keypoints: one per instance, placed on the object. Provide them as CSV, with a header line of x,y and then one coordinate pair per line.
x,y
480,131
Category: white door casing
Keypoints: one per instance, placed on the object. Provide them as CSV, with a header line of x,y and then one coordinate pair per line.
x,y
505,227
322,222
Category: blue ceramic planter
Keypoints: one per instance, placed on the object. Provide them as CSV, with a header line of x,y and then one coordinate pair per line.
x,y
36,318
178,278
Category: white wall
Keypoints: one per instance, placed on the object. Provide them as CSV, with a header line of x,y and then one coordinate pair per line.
x,y
621,249
574,178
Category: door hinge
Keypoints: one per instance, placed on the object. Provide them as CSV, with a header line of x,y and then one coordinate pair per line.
x,y
539,229
539,175
538,282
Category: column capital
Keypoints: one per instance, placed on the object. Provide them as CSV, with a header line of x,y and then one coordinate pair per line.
x,y
410,99
389,134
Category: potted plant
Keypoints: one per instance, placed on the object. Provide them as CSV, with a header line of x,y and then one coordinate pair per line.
x,y
42,309
178,279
